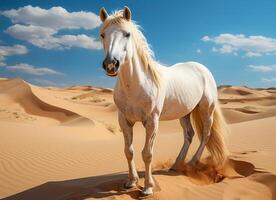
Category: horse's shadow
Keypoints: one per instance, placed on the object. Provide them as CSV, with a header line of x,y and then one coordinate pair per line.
x,y
83,188
89,187
95,187
79,189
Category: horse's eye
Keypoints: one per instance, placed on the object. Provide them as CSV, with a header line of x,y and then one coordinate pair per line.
x,y
102,36
127,34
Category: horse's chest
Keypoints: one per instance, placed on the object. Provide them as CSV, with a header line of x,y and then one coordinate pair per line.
x,y
134,108
133,113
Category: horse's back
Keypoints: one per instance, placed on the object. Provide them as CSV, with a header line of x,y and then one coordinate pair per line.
x,y
195,72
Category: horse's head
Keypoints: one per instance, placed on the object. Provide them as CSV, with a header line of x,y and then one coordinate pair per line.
x,y
115,35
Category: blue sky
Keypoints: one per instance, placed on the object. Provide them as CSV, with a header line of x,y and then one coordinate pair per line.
x,y
57,43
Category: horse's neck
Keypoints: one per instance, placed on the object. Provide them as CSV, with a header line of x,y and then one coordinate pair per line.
x,y
132,76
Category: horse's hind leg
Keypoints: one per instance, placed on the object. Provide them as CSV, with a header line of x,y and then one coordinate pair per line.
x,y
206,110
188,136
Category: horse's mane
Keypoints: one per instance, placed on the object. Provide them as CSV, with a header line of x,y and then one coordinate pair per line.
x,y
143,49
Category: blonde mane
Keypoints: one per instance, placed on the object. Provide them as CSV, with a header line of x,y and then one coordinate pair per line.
x,y
144,51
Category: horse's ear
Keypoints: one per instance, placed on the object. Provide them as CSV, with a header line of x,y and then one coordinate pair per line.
x,y
127,13
103,14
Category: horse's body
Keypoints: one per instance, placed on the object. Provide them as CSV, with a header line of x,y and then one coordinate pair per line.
x,y
184,85
148,92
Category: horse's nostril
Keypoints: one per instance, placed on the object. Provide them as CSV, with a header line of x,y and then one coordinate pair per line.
x,y
117,63
104,65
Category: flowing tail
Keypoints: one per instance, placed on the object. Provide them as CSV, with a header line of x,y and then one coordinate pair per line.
x,y
216,143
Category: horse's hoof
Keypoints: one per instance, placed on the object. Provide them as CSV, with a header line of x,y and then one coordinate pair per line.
x,y
147,192
173,168
130,184
176,167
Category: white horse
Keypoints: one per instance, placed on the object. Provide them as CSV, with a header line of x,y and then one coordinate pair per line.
x,y
148,92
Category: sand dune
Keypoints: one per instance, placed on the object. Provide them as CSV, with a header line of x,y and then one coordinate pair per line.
x,y
65,143
243,104
18,98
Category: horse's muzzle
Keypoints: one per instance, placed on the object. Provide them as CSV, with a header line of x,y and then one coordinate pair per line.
x,y
111,67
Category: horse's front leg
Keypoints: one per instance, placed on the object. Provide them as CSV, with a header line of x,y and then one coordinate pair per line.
x,y
127,129
151,126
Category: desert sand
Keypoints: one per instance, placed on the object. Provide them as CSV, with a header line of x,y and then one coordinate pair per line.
x,y
65,143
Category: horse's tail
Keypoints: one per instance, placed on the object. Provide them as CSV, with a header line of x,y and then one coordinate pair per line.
x,y
216,143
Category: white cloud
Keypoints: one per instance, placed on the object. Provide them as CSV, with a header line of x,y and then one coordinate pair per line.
x,y
262,68
205,38
249,45
198,51
56,17
82,41
225,49
10,51
2,64
44,37
29,69
40,27
253,54
268,80
30,32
